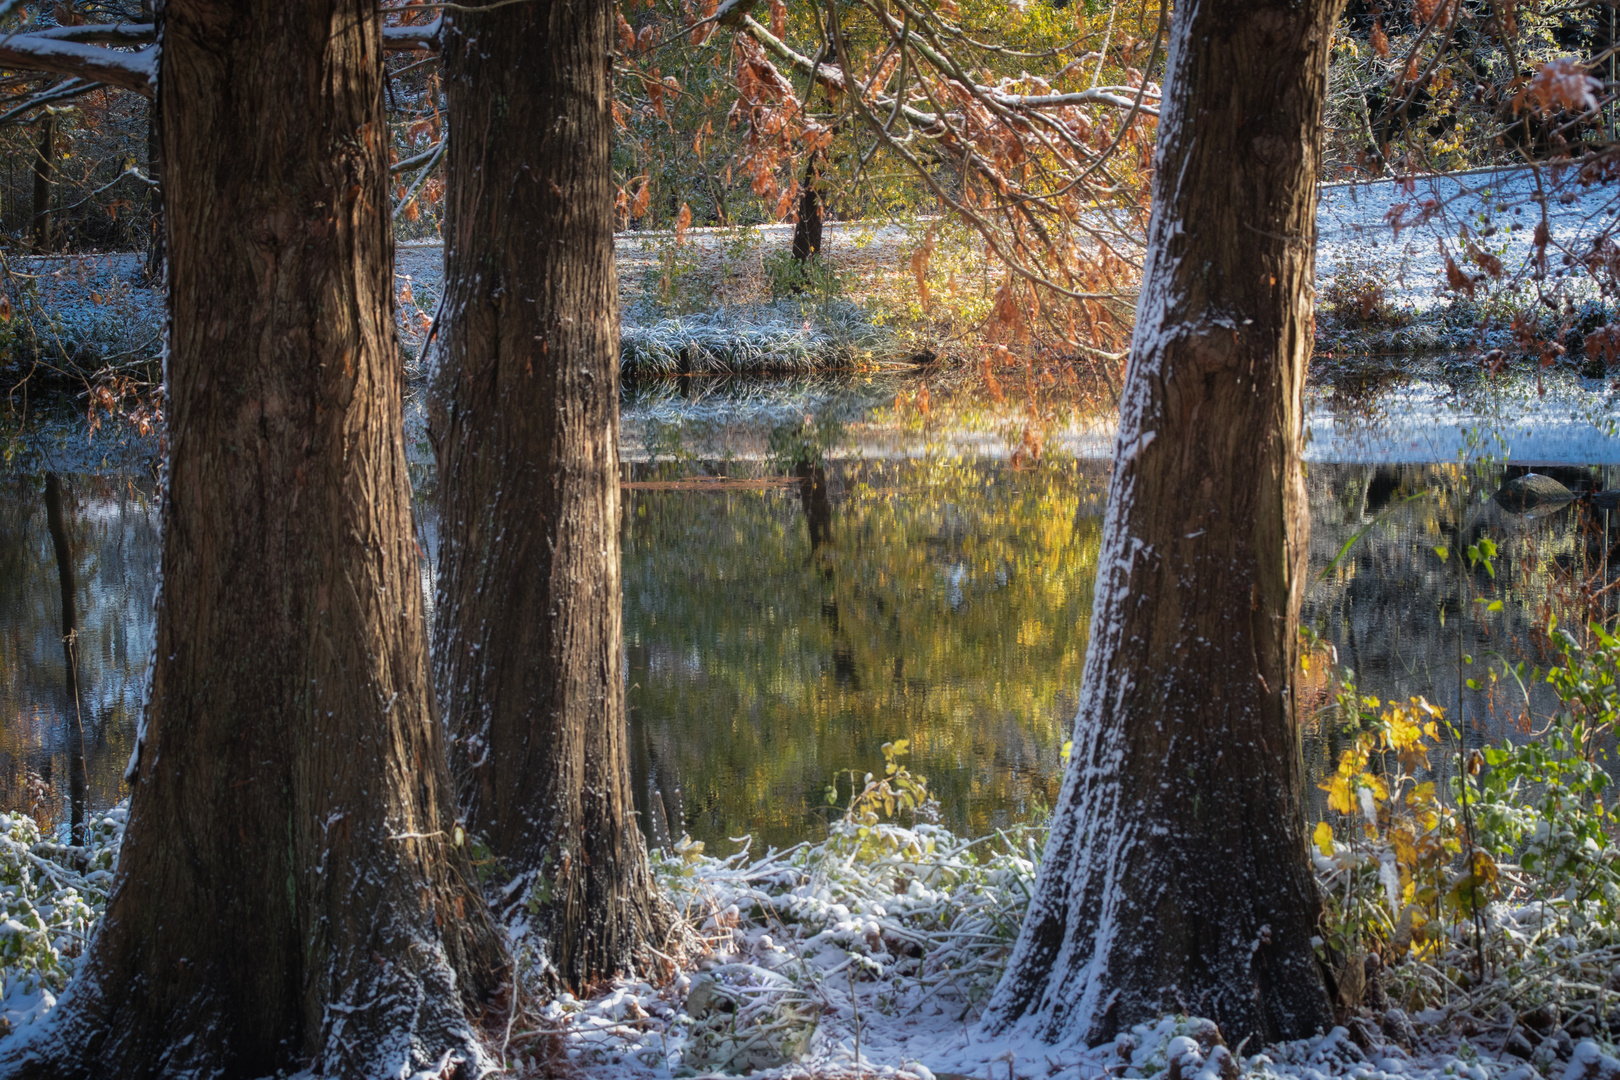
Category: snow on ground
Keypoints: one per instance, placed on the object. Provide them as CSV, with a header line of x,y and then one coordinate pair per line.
x,y
1391,239
869,954
717,311
874,958
1405,228
90,309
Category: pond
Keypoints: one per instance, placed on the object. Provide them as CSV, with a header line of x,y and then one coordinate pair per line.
x,y
817,567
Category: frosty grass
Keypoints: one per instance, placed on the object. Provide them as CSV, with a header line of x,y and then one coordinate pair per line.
x,y
884,942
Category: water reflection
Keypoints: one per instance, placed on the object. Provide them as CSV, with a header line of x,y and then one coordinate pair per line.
x,y
109,533
1411,624
863,573
777,636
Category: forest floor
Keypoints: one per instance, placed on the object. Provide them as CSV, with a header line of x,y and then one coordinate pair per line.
x,y
868,954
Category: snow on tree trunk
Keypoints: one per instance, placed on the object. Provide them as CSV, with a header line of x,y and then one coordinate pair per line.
x,y
291,891
1176,878
529,633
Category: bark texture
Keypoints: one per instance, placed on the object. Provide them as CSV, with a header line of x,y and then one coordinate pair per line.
x,y
290,892
528,630
1176,878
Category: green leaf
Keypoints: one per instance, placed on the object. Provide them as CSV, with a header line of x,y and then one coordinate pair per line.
x,y
1442,551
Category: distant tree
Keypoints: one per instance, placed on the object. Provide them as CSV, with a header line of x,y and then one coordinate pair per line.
x,y
293,891
1176,877
529,632
44,156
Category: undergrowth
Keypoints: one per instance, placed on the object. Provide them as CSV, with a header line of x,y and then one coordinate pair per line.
x,y
52,894
1483,879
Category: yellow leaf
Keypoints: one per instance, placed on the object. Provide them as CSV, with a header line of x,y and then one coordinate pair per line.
x,y
1405,851
1340,796
1324,838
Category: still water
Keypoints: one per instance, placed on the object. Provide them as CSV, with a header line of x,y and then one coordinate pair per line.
x,y
869,571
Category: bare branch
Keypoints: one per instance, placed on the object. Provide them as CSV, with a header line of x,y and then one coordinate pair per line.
x,y
416,185
424,158
65,91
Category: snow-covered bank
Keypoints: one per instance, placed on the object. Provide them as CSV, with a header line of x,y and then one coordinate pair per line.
x,y
1383,242
858,956
1573,423
1385,245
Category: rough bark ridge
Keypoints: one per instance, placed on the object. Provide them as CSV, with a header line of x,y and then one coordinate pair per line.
x,y
1176,877
528,629
290,892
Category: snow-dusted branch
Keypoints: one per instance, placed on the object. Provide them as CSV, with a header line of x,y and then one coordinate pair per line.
x,y
410,38
829,76
121,33
79,52
416,185
132,71
426,157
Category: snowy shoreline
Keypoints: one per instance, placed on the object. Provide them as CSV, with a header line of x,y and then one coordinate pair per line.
x,y
1386,237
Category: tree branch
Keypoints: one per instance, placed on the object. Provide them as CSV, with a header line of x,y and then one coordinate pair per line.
x,y
61,92
411,38
121,33
134,71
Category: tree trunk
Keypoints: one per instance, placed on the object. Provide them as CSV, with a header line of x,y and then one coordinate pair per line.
x,y
529,633
292,890
44,165
153,268
807,229
1176,878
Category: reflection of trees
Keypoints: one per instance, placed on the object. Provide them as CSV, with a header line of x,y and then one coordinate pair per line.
x,y
112,532
949,605
1391,607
